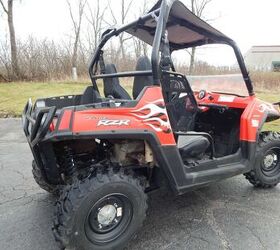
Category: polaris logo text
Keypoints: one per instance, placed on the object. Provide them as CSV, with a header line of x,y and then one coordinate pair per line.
x,y
113,123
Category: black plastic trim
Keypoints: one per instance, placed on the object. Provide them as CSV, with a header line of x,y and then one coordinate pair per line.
x,y
268,116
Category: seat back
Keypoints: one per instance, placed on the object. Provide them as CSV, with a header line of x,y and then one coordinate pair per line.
x,y
140,82
89,96
112,87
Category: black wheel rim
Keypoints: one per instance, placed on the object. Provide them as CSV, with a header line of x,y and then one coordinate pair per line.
x,y
271,162
108,218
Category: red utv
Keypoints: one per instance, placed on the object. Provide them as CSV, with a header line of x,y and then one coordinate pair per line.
x,y
105,154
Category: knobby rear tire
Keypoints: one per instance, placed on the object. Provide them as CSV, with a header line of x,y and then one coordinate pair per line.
x,y
79,199
38,177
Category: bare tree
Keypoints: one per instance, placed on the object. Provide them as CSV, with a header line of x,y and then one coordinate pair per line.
x,y
198,7
10,14
5,60
77,23
125,8
95,17
140,47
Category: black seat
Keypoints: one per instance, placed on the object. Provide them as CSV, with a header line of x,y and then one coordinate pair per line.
x,y
192,146
89,96
140,82
112,87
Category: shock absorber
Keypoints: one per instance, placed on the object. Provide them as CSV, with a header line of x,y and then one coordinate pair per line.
x,y
69,163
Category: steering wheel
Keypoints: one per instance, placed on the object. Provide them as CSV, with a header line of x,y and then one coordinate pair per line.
x,y
175,95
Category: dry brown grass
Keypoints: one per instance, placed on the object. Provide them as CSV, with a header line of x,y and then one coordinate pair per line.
x,y
265,81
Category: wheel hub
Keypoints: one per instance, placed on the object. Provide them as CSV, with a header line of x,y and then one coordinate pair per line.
x,y
106,215
269,160
108,218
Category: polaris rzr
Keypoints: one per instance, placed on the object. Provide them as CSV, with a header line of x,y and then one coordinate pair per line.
x,y
102,155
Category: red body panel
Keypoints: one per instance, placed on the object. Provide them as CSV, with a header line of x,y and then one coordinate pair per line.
x,y
253,118
65,122
253,115
150,114
231,101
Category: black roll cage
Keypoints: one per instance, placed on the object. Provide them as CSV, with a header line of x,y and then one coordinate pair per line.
x,y
160,15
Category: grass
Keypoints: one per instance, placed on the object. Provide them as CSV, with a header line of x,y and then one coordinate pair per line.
x,y
270,97
15,95
266,80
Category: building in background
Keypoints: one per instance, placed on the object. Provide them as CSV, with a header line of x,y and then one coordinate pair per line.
x,y
263,58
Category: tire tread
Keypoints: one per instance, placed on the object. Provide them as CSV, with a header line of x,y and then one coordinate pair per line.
x,y
72,196
37,175
264,139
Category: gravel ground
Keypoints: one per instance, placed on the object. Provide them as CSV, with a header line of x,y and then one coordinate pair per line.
x,y
227,215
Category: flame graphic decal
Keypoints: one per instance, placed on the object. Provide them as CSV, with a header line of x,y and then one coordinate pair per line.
x,y
154,114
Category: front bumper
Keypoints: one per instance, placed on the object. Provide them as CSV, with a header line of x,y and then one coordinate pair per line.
x,y
36,122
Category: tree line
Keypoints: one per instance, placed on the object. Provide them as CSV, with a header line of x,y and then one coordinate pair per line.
x,y
34,59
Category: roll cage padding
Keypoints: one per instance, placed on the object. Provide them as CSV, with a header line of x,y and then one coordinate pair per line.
x,y
112,85
140,82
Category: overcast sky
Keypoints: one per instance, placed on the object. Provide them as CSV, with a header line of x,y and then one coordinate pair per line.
x,y
248,22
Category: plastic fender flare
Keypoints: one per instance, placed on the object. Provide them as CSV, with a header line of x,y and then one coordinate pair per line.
x,y
145,135
268,116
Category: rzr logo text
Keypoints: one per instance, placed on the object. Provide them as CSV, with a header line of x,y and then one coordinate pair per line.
x,y
113,123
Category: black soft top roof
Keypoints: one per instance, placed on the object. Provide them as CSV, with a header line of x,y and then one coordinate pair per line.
x,y
184,28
